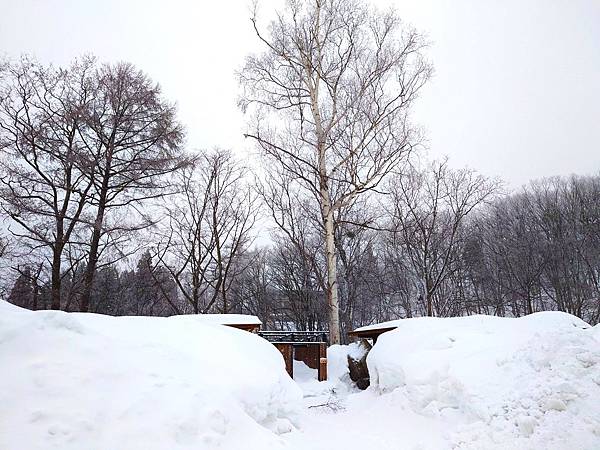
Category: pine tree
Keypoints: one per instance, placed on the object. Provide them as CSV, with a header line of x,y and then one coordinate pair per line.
x,y
22,292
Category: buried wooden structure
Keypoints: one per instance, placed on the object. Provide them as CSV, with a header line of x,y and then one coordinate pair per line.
x,y
375,330
240,321
310,347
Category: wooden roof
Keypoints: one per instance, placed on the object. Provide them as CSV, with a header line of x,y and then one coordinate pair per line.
x,y
372,331
241,321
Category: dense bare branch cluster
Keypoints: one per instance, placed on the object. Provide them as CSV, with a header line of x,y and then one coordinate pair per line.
x,y
429,208
104,211
47,174
330,98
207,230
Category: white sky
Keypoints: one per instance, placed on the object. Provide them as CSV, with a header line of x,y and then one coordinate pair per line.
x,y
516,91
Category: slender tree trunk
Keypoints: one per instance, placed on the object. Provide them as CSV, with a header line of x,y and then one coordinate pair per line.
x,y
332,288
90,270
56,280
327,213
428,298
429,305
36,291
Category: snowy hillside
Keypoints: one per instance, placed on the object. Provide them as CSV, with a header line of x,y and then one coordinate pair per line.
x,y
84,381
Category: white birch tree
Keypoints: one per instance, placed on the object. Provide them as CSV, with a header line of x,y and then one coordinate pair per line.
x,y
329,100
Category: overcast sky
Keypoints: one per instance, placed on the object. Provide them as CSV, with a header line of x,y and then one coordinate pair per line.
x,y
516,91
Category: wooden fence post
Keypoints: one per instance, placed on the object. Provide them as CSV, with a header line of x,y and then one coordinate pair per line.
x,y
322,361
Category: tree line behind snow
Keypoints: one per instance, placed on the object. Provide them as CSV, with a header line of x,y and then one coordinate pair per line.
x,y
94,173
106,212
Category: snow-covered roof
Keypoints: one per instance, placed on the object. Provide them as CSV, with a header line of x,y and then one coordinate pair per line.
x,y
229,319
380,326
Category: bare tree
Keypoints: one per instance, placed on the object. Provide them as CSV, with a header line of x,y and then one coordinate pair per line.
x,y
298,221
331,95
253,291
428,208
539,248
4,247
206,230
361,286
46,173
298,287
136,140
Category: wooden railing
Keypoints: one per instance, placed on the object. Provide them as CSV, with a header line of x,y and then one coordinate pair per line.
x,y
295,337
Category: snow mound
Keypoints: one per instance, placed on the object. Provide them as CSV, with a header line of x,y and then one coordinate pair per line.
x,y
337,362
74,381
531,382
303,373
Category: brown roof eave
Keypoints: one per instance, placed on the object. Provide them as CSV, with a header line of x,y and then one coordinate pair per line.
x,y
370,333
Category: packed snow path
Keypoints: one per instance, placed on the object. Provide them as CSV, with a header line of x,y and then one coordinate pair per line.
x,y
359,420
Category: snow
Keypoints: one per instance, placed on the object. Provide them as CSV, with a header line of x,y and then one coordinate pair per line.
x,y
381,325
531,382
303,373
337,362
227,319
74,381
476,382
338,378
596,332
85,381
357,351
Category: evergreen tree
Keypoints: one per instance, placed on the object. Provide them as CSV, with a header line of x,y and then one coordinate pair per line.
x,y
22,292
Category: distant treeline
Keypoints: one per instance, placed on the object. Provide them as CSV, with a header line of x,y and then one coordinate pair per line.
x,y
94,178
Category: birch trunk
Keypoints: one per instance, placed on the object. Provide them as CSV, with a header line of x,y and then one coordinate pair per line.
x,y
331,257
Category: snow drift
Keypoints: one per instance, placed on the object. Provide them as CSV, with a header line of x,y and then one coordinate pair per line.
x,y
86,381
531,382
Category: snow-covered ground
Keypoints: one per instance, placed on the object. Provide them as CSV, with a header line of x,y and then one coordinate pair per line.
x,y
83,381
532,382
475,382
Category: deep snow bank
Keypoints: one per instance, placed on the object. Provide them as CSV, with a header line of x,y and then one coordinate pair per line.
x,y
86,381
532,382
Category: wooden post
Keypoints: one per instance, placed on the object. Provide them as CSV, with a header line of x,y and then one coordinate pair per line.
x,y
322,361
287,352
323,369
